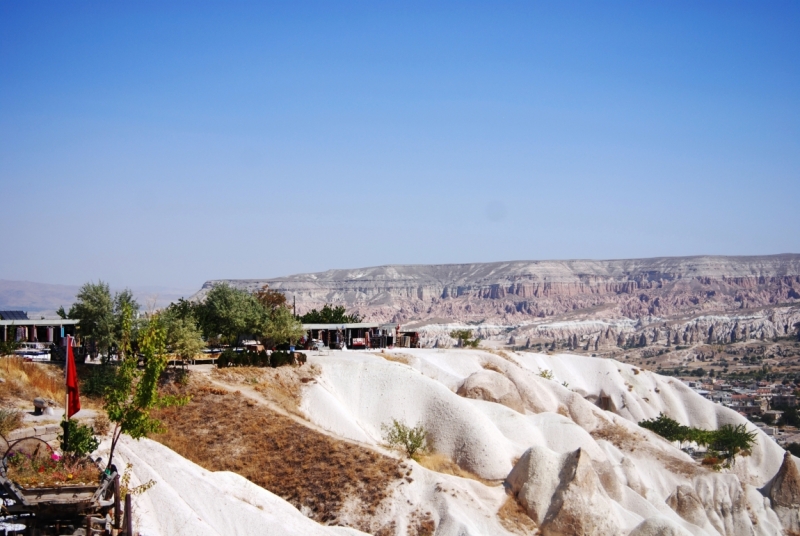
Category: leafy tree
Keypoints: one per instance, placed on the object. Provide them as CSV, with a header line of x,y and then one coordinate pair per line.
x,y
282,326
728,441
789,417
229,312
100,314
95,309
398,434
184,338
133,394
270,299
669,429
733,440
330,315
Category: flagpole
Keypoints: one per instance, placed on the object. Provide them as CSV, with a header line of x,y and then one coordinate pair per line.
x,y
66,380
66,391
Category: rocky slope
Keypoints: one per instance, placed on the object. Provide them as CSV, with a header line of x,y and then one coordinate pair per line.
x,y
535,444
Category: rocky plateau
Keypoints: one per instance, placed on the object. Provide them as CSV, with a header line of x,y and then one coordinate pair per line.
x,y
592,305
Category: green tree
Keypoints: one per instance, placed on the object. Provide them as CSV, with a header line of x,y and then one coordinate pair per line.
x,y
728,441
732,440
282,326
669,429
229,312
412,440
95,309
100,314
133,394
464,338
330,315
184,338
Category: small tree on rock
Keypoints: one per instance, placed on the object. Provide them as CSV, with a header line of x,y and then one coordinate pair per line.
x,y
464,338
133,394
398,434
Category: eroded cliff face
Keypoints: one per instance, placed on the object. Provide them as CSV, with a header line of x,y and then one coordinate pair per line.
x,y
637,302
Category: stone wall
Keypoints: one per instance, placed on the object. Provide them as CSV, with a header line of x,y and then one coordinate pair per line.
x,y
45,432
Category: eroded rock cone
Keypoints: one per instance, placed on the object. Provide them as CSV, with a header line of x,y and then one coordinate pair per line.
x,y
688,505
785,488
562,494
492,387
784,492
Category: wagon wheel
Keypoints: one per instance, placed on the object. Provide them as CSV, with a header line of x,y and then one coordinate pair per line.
x,y
33,447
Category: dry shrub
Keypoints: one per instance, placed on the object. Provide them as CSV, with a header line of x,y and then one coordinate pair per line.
x,y
309,469
26,380
624,439
397,358
498,353
492,367
101,424
440,463
10,419
515,519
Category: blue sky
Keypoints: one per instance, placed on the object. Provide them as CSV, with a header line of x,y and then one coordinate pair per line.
x,y
171,143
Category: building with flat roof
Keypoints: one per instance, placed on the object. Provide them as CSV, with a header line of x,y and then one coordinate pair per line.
x,y
16,326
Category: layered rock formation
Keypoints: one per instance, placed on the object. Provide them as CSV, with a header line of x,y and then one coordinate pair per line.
x,y
591,304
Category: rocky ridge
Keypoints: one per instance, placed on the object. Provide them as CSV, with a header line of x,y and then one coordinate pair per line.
x,y
583,304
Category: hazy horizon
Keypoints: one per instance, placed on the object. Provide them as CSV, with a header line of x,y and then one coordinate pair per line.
x,y
165,145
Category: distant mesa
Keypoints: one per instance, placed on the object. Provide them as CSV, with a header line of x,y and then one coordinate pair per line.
x,y
512,291
586,304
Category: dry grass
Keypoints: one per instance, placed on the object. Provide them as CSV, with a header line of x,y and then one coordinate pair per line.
x,y
397,358
625,440
26,380
499,353
10,419
281,386
442,464
515,519
492,367
317,474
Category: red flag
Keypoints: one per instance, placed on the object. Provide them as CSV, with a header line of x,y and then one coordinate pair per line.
x,y
73,397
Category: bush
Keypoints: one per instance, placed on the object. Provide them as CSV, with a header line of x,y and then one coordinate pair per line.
x,y
77,439
226,358
398,434
97,379
10,419
725,443
464,337
279,359
794,448
546,374
229,358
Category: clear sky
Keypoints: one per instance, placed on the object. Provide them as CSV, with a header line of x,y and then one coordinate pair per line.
x,y
169,143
